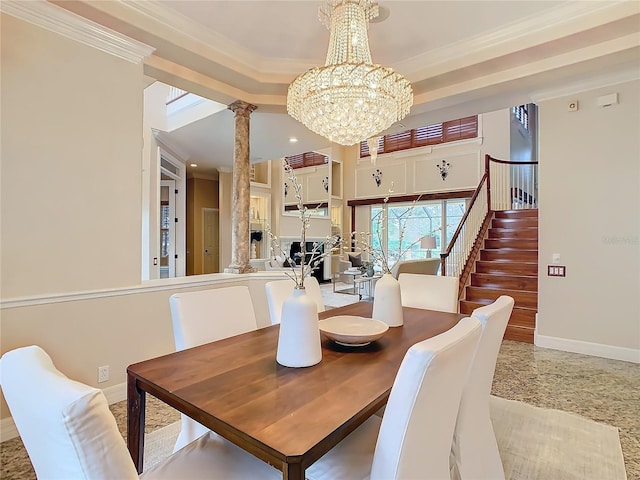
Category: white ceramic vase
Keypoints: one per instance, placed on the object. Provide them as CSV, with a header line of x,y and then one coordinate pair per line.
x,y
299,339
387,303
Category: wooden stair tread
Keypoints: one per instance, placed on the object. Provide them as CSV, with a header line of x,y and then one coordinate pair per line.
x,y
499,281
519,334
506,291
507,264
527,212
510,249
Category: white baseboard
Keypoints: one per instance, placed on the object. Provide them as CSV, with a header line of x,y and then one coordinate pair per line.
x,y
588,348
8,429
114,394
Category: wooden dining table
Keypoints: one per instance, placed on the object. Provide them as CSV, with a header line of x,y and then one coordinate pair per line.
x,y
288,417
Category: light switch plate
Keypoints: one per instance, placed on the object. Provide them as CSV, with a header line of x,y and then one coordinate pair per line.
x,y
556,270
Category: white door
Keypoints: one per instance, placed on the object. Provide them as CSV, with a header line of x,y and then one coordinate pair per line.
x,y
167,229
210,240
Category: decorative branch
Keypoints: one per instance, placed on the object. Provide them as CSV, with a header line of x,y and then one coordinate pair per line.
x,y
378,255
304,215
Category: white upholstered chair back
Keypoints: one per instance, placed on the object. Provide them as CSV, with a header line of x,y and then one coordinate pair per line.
x,y
70,433
431,292
206,316
475,451
415,436
66,426
413,439
279,290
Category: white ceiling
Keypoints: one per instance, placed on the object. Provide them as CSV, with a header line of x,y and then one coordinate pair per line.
x,y
462,57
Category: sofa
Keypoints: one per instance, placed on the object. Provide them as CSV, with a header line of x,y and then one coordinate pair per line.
x,y
424,266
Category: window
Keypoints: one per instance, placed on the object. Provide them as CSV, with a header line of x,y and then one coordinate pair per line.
x,y
307,159
430,135
522,115
439,218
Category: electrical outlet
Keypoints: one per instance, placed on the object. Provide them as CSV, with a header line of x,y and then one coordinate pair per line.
x,y
103,373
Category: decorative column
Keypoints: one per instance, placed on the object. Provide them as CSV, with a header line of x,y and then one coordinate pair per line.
x,y
241,188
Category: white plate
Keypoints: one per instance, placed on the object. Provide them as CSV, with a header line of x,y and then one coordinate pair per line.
x,y
353,331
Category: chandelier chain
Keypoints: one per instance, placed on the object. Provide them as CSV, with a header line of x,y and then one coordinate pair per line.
x,y
350,98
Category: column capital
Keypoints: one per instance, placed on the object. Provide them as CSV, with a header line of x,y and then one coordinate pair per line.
x,y
242,108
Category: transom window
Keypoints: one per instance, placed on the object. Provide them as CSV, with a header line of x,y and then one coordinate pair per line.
x,y
444,132
307,159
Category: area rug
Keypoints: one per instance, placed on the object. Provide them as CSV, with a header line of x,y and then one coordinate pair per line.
x,y
538,443
535,444
159,444
336,299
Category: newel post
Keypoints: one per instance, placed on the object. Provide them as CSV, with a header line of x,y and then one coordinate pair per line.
x,y
487,160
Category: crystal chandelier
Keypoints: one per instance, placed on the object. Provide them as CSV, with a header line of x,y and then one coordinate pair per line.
x,y
349,99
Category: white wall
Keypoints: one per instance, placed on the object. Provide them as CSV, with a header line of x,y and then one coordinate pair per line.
x,y
414,171
589,214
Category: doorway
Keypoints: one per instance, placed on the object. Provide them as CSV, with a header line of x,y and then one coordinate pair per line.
x,y
167,229
210,239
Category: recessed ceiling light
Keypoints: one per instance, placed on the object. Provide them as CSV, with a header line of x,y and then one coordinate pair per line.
x,y
194,165
293,139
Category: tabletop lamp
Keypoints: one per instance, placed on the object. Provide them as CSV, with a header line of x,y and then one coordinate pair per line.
x,y
427,243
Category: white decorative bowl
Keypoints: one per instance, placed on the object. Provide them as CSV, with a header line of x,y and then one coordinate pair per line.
x,y
353,331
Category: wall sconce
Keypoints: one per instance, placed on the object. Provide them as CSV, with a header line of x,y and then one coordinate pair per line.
x,y
444,169
325,184
377,176
427,243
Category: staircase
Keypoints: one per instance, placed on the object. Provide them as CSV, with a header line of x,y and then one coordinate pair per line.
x,y
508,265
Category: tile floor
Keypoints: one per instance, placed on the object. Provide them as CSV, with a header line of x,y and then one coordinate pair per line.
x,y
604,390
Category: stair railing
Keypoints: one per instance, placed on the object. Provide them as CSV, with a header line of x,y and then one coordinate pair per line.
x,y
512,185
453,259
505,185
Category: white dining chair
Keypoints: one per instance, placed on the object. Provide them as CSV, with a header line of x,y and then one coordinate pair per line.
x,y
206,316
413,439
70,433
474,450
431,292
278,291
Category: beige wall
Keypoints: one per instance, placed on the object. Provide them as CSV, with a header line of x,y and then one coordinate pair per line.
x,y
589,214
55,129
71,211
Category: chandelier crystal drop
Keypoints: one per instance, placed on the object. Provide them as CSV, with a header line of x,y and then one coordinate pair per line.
x,y
349,99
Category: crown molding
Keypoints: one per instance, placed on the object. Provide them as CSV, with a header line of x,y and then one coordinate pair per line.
x,y
219,48
591,83
546,26
564,20
58,20
165,142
